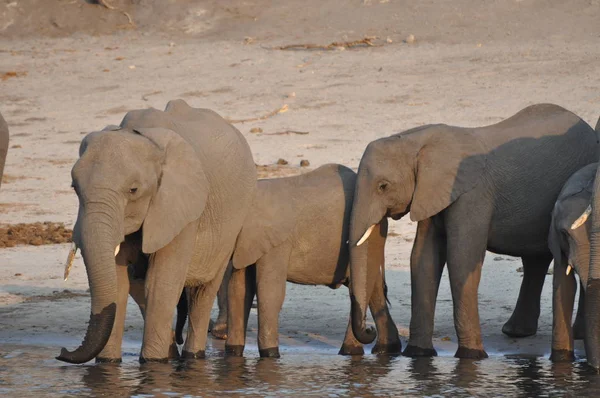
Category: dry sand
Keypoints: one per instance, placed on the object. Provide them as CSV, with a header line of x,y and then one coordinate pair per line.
x,y
471,63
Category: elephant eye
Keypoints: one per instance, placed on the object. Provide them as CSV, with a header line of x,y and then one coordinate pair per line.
x,y
133,190
382,186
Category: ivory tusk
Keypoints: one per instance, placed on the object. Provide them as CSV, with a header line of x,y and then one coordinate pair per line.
x,y
117,249
366,235
569,268
70,259
582,219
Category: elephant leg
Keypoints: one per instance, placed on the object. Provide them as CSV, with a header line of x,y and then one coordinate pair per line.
x,y
219,328
112,349
164,282
467,243
426,265
563,299
271,275
524,319
200,302
242,288
579,325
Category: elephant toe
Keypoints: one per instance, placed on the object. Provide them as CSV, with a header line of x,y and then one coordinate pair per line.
x,y
272,352
389,348
562,356
201,354
414,351
470,353
347,349
234,350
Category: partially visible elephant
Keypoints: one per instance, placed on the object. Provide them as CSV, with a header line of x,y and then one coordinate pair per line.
x,y
297,231
570,246
185,179
469,189
592,292
3,145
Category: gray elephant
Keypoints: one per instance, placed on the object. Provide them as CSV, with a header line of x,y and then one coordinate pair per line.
x,y
185,179
592,291
469,189
297,231
570,246
3,145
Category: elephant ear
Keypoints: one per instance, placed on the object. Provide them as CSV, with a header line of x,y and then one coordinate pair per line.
x,y
182,192
449,164
267,225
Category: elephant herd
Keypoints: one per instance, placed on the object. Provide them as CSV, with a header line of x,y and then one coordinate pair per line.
x,y
171,213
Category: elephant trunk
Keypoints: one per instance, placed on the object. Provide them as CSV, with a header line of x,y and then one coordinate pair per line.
x,y
362,224
97,237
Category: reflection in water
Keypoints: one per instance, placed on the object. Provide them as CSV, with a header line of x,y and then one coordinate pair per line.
x,y
26,371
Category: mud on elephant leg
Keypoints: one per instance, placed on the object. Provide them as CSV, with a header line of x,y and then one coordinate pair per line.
x,y
219,328
388,340
524,319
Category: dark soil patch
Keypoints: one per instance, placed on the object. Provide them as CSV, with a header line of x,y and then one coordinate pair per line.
x,y
36,234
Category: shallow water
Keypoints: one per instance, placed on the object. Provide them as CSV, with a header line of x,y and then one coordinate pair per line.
x,y
30,371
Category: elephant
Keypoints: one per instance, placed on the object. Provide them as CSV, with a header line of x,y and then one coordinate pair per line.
x,y
469,189
592,291
184,179
3,145
569,243
297,231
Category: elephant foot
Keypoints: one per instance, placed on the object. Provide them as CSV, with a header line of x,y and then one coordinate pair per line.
x,y
108,360
390,349
272,352
470,353
153,360
562,356
519,329
201,354
219,331
234,350
414,351
347,349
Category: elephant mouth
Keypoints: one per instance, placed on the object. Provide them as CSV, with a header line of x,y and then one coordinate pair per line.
x,y
397,215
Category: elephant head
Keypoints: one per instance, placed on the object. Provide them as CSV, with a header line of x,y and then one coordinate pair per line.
x,y
129,179
421,171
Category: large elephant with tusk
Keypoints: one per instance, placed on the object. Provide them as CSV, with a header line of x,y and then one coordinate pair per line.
x,y
184,179
469,189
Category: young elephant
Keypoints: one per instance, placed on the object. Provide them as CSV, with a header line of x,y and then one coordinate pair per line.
x,y
470,190
297,231
569,243
184,178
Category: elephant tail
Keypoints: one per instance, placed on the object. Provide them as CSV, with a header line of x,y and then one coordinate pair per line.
x,y
182,313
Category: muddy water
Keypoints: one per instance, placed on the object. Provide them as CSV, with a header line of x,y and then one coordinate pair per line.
x,y
32,371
